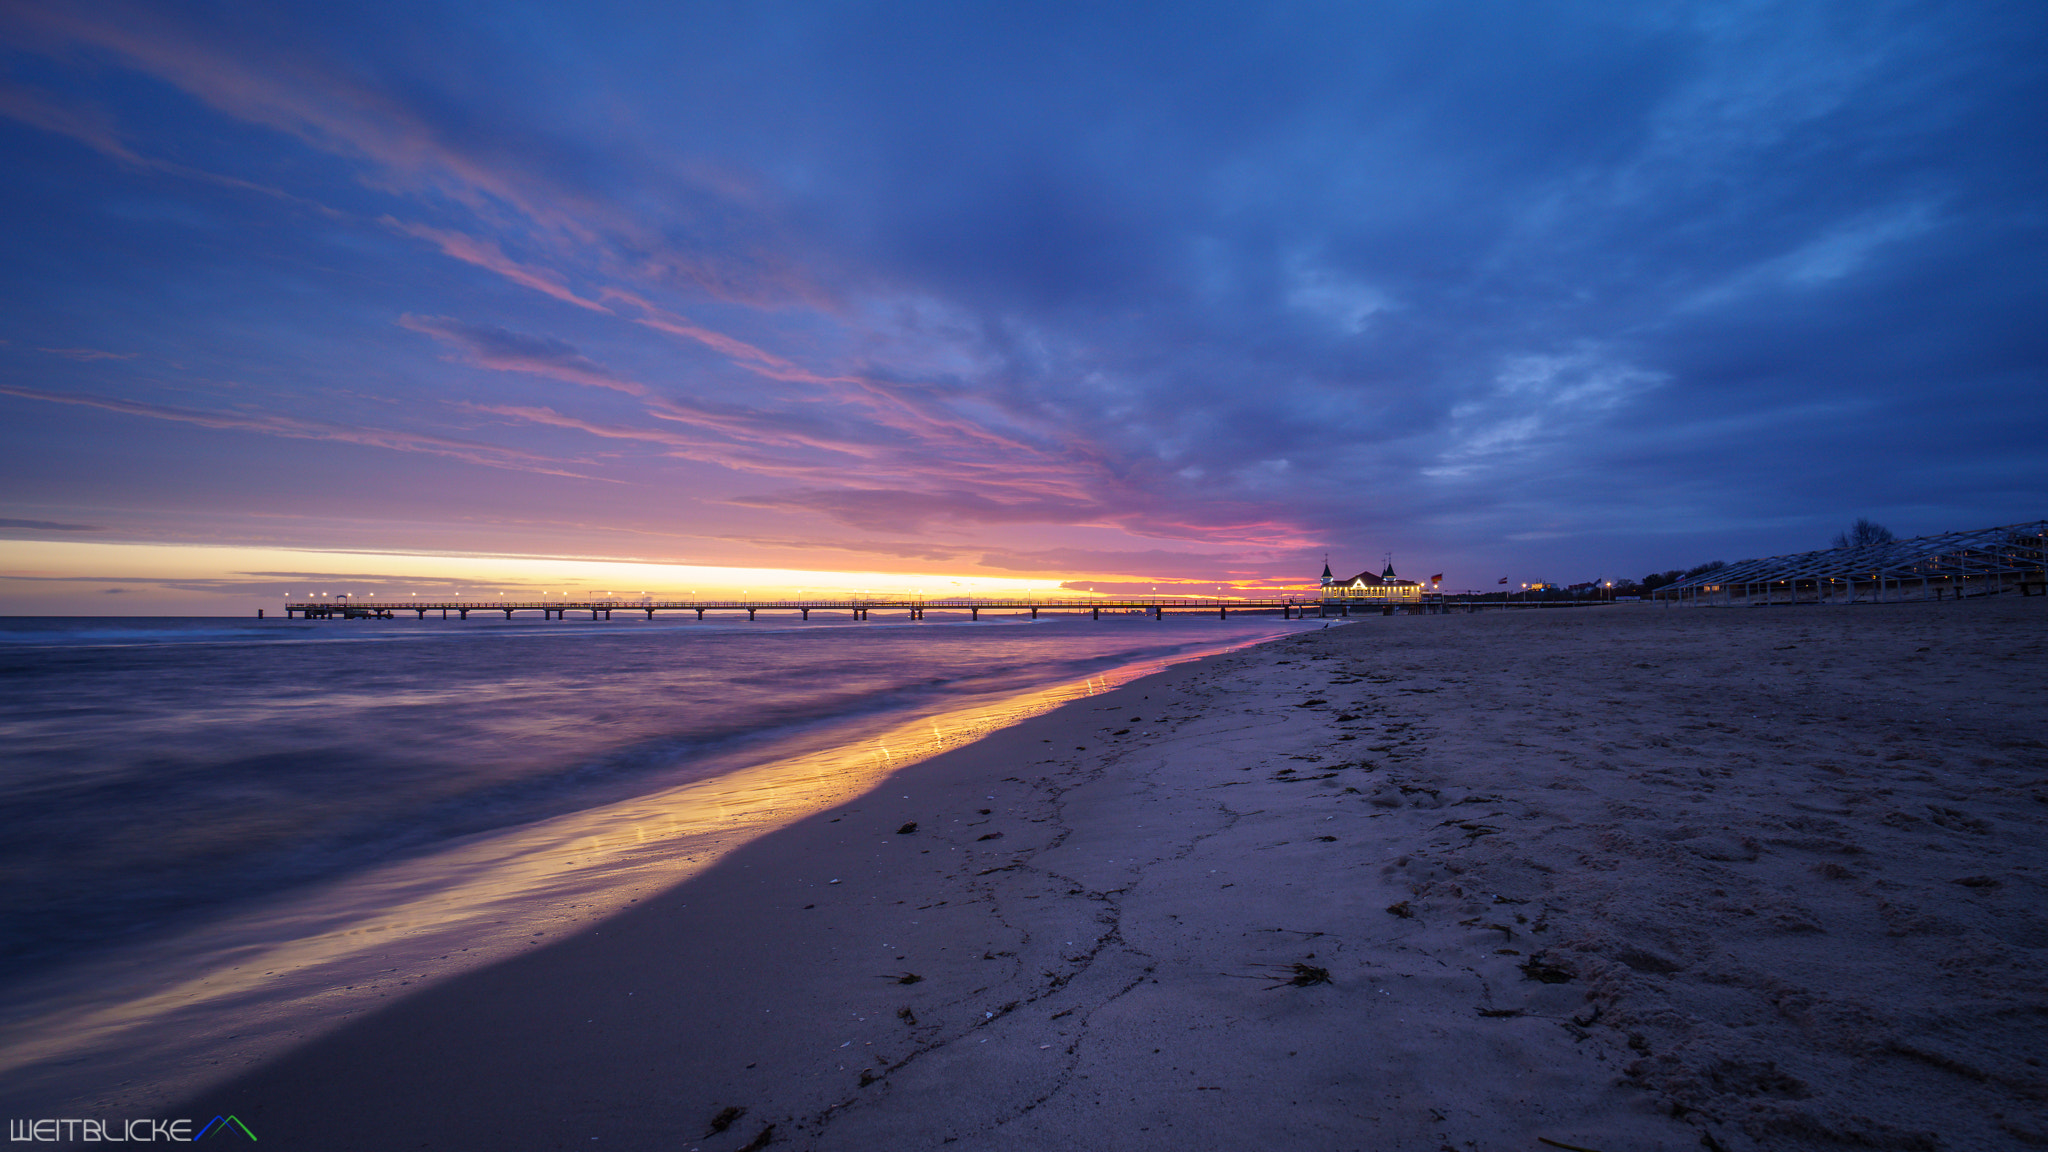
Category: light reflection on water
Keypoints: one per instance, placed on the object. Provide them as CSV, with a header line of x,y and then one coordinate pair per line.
x,y
185,1005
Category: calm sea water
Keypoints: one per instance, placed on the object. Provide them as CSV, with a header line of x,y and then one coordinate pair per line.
x,y
158,771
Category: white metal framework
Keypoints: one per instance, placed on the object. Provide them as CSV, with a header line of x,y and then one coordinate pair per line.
x,y
1948,565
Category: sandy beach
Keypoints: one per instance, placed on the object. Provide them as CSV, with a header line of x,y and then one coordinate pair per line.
x,y
1613,878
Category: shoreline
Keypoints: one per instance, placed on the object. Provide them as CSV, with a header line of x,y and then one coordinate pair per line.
x,y
1617,879
137,1027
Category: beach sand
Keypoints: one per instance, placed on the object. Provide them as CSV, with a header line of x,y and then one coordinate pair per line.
x,y
1612,878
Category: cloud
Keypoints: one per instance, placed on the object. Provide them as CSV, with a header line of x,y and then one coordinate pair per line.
x,y
50,526
741,352
88,354
487,254
90,127
899,549
488,346
269,424
916,510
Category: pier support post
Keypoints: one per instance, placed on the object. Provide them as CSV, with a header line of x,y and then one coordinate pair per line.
x,y
974,613
1158,612
1034,611
1095,613
750,613
650,614
700,614
1223,611
464,613
422,612
807,613
508,613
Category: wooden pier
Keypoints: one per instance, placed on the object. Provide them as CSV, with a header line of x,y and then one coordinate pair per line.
x,y
913,609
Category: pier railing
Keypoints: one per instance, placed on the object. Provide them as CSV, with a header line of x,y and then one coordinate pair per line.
x,y
860,607
1291,607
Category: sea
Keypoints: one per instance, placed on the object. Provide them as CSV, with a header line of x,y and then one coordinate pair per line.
x,y
220,836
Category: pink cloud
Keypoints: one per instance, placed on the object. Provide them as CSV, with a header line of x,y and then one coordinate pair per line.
x,y
487,254
307,97
488,346
554,419
98,132
912,509
92,129
89,354
740,351
270,424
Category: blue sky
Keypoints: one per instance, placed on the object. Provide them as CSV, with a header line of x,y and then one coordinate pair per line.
x,y
1108,294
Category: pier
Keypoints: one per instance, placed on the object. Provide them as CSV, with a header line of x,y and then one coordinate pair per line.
x,y
913,609
1293,607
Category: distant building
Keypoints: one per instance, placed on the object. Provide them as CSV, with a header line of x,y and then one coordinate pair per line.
x,y
1385,588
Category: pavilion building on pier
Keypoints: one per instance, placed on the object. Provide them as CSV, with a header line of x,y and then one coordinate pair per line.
x,y
1366,588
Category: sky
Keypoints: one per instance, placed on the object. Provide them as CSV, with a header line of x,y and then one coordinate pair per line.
x,y
995,296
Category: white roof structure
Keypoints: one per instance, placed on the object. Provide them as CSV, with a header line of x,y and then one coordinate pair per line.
x,y
2009,550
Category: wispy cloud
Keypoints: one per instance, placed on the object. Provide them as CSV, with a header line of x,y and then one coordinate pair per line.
x,y
917,510
90,127
89,354
271,424
50,526
741,352
489,255
98,131
489,346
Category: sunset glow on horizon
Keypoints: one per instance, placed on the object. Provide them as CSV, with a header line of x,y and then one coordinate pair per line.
x,y
77,579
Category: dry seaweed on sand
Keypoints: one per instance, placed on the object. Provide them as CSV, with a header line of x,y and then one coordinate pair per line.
x,y
766,1137
725,1119
1539,969
1301,975
901,977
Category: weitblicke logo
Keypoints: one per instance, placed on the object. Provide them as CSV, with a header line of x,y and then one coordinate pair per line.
x,y
126,1131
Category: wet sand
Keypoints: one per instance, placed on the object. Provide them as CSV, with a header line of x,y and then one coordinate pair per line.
x,y
1614,878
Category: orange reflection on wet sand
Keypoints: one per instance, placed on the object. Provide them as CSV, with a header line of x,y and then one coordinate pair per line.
x,y
163,1021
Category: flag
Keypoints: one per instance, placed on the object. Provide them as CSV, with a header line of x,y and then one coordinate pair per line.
x,y
1503,579
1437,579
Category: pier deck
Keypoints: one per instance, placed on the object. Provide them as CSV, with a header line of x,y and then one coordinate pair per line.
x,y
860,608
